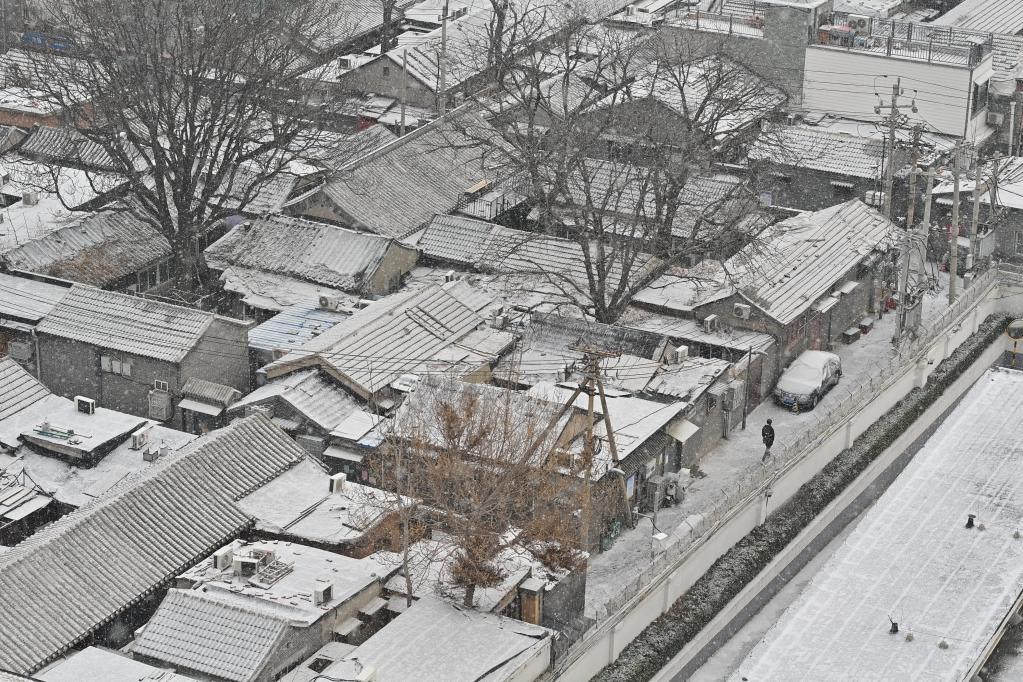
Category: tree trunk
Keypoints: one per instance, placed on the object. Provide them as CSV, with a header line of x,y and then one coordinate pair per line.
x,y
385,31
470,594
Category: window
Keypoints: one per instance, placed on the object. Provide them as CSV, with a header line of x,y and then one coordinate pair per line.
x,y
160,385
115,365
1019,243
387,71
165,271
978,102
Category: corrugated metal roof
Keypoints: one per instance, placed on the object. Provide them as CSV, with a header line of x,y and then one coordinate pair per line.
x,y
27,299
80,572
131,324
293,326
18,388
820,150
319,399
228,641
100,249
314,252
995,16
209,392
397,188
801,258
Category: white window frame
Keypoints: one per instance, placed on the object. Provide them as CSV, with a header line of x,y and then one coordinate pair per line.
x,y
160,385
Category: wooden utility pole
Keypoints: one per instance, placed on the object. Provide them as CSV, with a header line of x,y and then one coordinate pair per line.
x,y
907,249
953,245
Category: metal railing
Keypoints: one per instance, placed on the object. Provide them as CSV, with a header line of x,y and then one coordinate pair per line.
x,y
757,478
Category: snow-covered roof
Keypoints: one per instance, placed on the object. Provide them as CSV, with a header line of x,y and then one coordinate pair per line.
x,y
95,664
19,390
997,16
821,150
27,299
155,522
293,326
130,324
1009,181
798,260
429,330
912,559
313,396
435,641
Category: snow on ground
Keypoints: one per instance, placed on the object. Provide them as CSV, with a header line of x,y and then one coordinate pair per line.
x,y
728,463
730,654
912,559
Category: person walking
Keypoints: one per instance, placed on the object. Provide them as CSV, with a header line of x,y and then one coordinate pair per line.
x,y
767,433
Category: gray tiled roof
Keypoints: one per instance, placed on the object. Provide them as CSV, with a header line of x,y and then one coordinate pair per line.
x,y
209,392
397,188
18,388
67,147
495,248
126,323
314,252
821,150
801,258
228,641
319,399
80,572
100,249
419,330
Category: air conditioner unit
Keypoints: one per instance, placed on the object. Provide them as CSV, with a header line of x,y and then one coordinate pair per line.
x,y
679,354
337,482
728,398
140,438
630,10
742,311
860,24
151,453
710,324
654,492
30,198
20,350
323,592
345,63
499,321
223,558
329,302
450,276
85,405
245,566
995,119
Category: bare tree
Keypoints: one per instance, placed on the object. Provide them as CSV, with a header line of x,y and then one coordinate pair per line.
x,y
195,103
614,150
483,462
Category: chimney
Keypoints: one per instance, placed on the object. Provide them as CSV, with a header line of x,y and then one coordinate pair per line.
x,y
531,600
164,450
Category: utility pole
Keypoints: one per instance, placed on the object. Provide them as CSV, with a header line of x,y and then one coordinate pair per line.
x,y
953,245
895,119
404,87
442,62
907,249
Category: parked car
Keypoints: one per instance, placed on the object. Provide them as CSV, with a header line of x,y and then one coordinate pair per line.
x,y
807,379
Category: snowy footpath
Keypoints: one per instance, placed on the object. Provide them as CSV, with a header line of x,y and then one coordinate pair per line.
x,y
726,465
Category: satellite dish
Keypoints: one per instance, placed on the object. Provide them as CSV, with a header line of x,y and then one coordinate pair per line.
x,y
1015,330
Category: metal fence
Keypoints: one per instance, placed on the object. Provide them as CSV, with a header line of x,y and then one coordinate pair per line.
x,y
757,478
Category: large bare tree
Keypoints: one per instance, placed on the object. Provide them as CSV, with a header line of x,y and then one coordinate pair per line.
x,y
194,102
617,150
484,462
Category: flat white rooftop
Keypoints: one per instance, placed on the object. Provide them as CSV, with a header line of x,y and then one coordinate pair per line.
x,y
911,558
